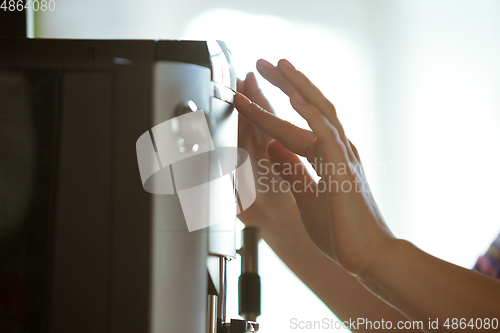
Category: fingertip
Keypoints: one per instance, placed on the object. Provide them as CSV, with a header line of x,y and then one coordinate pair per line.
x,y
240,99
272,146
272,74
287,65
252,81
264,65
272,150
250,75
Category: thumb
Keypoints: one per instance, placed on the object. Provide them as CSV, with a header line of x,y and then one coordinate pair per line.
x,y
291,169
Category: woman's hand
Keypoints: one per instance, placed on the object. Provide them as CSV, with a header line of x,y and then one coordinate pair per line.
x,y
342,220
270,207
338,213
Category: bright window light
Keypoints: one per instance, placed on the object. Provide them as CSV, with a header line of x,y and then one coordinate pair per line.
x,y
455,147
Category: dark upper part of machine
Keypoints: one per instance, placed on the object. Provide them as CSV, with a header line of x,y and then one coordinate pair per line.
x,y
55,52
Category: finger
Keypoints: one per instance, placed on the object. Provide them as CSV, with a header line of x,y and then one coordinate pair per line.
x,y
357,164
316,121
355,150
311,93
292,170
314,96
296,139
326,133
254,93
240,85
273,75
244,127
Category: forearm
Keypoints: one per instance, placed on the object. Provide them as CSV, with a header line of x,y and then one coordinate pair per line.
x,y
340,291
426,288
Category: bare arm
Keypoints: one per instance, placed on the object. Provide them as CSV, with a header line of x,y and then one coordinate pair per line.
x,y
426,288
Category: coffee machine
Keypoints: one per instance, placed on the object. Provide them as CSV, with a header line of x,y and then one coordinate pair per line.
x,y
90,248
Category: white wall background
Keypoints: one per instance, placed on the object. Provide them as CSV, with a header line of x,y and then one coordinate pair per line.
x,y
416,83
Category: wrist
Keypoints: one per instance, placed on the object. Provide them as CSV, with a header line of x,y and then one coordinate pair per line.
x,y
383,259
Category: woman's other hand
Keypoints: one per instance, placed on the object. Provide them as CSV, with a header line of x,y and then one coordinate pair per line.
x,y
338,213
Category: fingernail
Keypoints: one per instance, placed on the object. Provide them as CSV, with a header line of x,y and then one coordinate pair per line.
x,y
241,99
285,63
